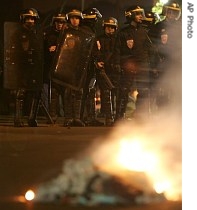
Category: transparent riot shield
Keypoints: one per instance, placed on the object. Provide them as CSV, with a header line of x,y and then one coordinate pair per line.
x,y
69,68
23,57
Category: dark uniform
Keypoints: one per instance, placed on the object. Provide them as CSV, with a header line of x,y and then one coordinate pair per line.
x,y
148,24
132,56
167,38
70,66
52,91
24,65
105,48
88,111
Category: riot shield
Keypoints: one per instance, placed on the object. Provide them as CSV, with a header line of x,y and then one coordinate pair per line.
x,y
23,58
69,68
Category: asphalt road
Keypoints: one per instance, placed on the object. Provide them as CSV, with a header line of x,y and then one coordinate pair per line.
x,y
29,156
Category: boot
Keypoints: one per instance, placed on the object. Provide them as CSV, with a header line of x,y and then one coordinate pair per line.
x,y
120,110
68,110
78,123
77,109
18,113
33,113
107,108
68,122
54,104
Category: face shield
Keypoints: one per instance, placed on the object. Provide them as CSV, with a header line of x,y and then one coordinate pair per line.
x,y
29,21
172,12
136,14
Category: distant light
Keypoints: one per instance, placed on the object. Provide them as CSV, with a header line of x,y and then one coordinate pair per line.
x,y
164,1
29,195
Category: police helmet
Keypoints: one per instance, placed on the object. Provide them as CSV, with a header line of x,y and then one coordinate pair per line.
x,y
150,17
132,11
111,21
74,13
31,12
92,14
59,17
149,20
172,7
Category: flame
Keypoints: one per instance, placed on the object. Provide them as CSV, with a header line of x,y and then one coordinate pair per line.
x,y
160,187
134,157
155,154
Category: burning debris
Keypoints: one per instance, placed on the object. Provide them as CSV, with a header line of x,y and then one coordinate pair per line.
x,y
142,166
83,183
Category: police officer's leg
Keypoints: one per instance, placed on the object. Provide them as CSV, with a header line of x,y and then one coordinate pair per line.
x,y
91,104
68,107
83,111
54,103
91,109
19,108
107,107
122,96
45,95
115,91
77,108
122,100
32,122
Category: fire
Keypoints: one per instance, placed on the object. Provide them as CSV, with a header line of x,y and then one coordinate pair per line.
x,y
145,153
134,157
161,187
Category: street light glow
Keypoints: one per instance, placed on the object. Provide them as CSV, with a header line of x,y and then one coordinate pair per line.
x,y
29,195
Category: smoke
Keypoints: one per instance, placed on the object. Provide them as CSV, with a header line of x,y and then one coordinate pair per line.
x,y
158,154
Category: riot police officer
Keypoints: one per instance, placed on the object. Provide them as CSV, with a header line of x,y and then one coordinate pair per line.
x,y
167,38
70,65
88,111
105,47
73,98
132,57
24,65
51,91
